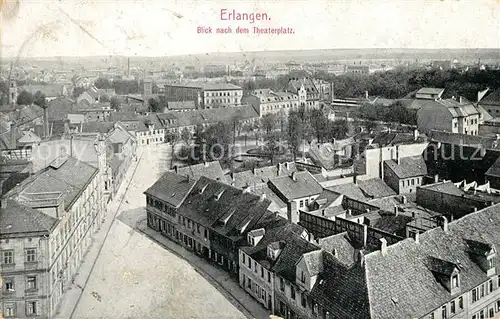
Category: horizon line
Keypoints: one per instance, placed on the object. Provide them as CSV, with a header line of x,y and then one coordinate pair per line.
x,y
244,52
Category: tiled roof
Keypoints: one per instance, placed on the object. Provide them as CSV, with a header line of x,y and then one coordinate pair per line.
x,y
350,190
396,138
276,202
492,98
211,170
207,86
340,246
445,187
97,127
59,108
171,188
430,91
408,167
68,180
303,185
225,209
465,139
17,219
415,288
375,188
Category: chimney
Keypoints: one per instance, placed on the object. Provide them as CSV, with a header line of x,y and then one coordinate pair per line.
x,y
176,169
475,209
287,165
436,178
294,176
445,223
13,135
349,212
396,210
206,164
383,246
417,237
460,99
361,258
366,95
498,137
262,197
187,176
365,235
45,121
415,134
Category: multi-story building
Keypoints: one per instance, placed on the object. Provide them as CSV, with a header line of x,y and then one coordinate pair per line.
x,y
206,95
301,84
405,174
149,131
46,226
297,190
266,101
449,115
206,216
429,93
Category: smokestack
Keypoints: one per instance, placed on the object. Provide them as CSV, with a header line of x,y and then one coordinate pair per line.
x,y
45,121
444,223
366,95
13,135
436,178
128,67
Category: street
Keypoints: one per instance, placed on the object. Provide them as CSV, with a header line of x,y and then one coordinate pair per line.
x,y
134,277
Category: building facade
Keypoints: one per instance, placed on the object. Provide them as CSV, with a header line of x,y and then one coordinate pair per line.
x,y
37,270
266,101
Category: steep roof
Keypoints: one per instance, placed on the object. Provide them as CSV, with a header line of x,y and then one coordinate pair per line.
x,y
350,190
492,99
211,170
171,188
225,209
414,291
304,185
408,167
375,188
17,219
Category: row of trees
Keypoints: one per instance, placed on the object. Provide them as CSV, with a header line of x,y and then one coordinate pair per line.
x,y
396,113
120,86
27,98
279,133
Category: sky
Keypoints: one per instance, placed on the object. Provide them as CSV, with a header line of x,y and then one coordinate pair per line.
x,y
42,28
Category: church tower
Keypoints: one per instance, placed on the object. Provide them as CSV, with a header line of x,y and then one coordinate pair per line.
x,y
12,92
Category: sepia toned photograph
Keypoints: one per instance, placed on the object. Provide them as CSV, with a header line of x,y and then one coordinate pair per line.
x,y
253,159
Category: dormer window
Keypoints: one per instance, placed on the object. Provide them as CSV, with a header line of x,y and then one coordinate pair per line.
x,y
454,281
484,255
302,276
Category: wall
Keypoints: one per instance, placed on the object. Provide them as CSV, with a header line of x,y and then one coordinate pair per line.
x,y
266,283
391,179
431,117
446,203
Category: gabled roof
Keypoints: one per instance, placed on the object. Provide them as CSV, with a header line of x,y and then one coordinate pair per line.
x,y
350,190
232,214
408,167
171,188
416,289
211,170
493,98
18,220
375,188
430,91
304,185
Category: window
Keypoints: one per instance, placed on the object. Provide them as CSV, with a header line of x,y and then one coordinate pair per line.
x,y
31,308
302,276
31,255
498,305
255,266
301,203
31,282
303,300
454,281
491,313
9,284
481,314
9,310
243,258
249,263
282,284
8,257
444,312
292,292
269,276
490,284
452,307
482,291
474,295
490,263
262,271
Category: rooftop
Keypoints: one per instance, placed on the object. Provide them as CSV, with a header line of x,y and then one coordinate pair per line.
x,y
303,185
408,167
171,188
19,220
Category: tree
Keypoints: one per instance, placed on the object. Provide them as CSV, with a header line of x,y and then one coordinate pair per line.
x,y
318,123
25,98
173,138
77,91
268,122
103,83
104,98
294,132
154,105
115,103
186,136
39,99
272,146
338,129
